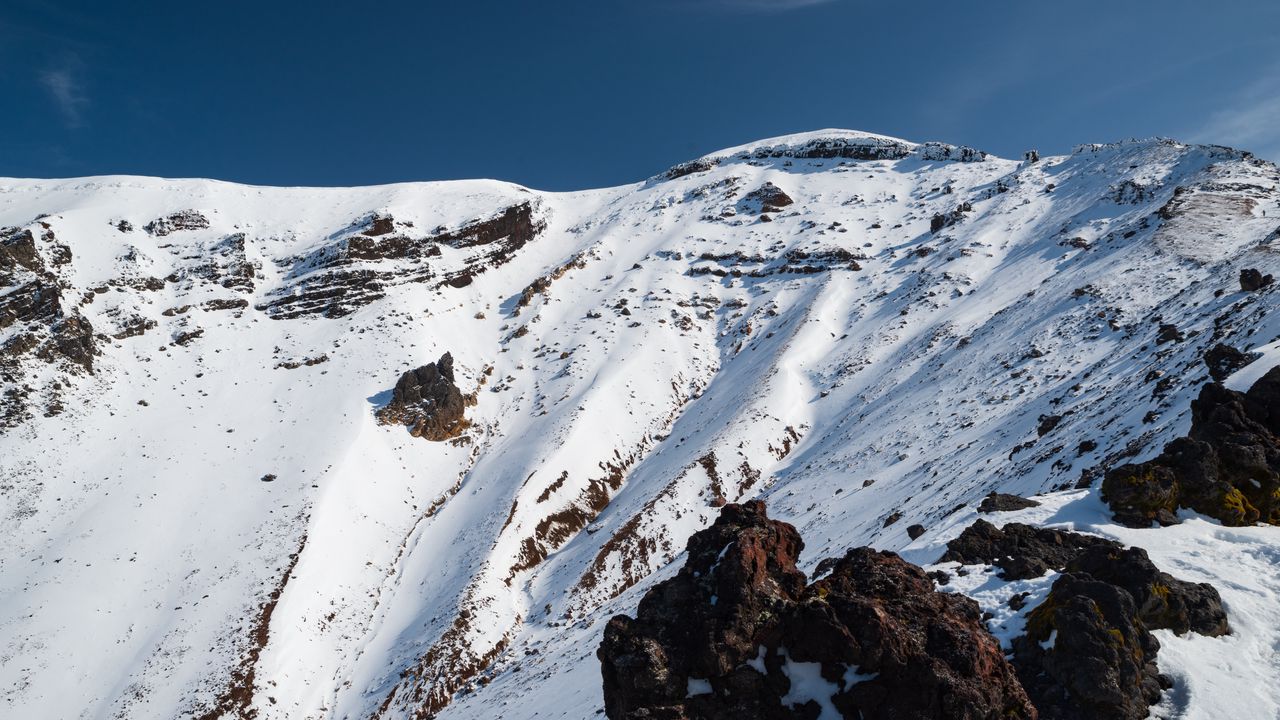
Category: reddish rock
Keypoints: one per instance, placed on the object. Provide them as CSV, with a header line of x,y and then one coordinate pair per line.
x,y
734,633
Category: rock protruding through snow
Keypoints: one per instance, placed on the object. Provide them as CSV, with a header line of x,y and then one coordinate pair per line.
x,y
428,402
1227,467
737,633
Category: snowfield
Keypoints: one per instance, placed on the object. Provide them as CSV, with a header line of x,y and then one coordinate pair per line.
x,y
210,521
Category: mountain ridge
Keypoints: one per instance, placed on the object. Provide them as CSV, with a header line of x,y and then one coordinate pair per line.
x,y
901,332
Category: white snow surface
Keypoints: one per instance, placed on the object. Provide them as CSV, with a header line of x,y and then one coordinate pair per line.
x,y
139,544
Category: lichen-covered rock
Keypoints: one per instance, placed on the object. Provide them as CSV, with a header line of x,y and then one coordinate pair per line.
x,y
737,634
1086,656
428,402
1163,602
1227,467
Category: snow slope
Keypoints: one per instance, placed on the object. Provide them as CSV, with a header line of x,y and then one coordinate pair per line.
x,y
882,352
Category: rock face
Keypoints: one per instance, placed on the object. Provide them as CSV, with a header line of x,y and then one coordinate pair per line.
x,y
1227,467
428,402
738,634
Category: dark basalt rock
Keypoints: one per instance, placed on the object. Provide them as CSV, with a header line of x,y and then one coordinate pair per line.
x,y
1004,502
428,402
767,198
1086,656
1252,279
1169,333
1227,467
1088,652
1020,551
727,635
1223,360
1163,601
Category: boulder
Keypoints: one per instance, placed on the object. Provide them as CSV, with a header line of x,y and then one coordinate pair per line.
x,y
1252,279
428,402
1086,656
1020,551
1003,502
1223,360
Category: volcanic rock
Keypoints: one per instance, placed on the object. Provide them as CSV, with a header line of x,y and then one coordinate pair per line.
x,y
1086,656
1252,279
1227,467
1003,502
428,402
1020,551
1224,360
769,198
737,634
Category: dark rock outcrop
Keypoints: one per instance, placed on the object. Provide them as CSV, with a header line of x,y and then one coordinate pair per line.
x,y
1227,467
1020,551
356,270
1163,602
1088,652
767,198
1085,656
1223,360
1252,279
737,634
428,402
182,220
1004,502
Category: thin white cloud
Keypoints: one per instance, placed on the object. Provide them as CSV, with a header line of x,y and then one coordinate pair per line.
x,y
67,93
1249,121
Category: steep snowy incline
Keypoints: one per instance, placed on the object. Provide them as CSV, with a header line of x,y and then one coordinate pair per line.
x,y
202,515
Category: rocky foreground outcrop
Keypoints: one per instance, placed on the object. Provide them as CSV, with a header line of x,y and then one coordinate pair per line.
x,y
739,634
427,401
1088,653
1227,467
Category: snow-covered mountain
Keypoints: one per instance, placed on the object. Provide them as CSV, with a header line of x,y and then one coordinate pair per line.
x,y
202,516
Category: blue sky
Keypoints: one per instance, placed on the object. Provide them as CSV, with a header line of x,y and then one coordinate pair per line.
x,y
566,95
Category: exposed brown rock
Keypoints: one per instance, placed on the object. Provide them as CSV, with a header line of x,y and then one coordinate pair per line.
x,y
728,636
428,402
